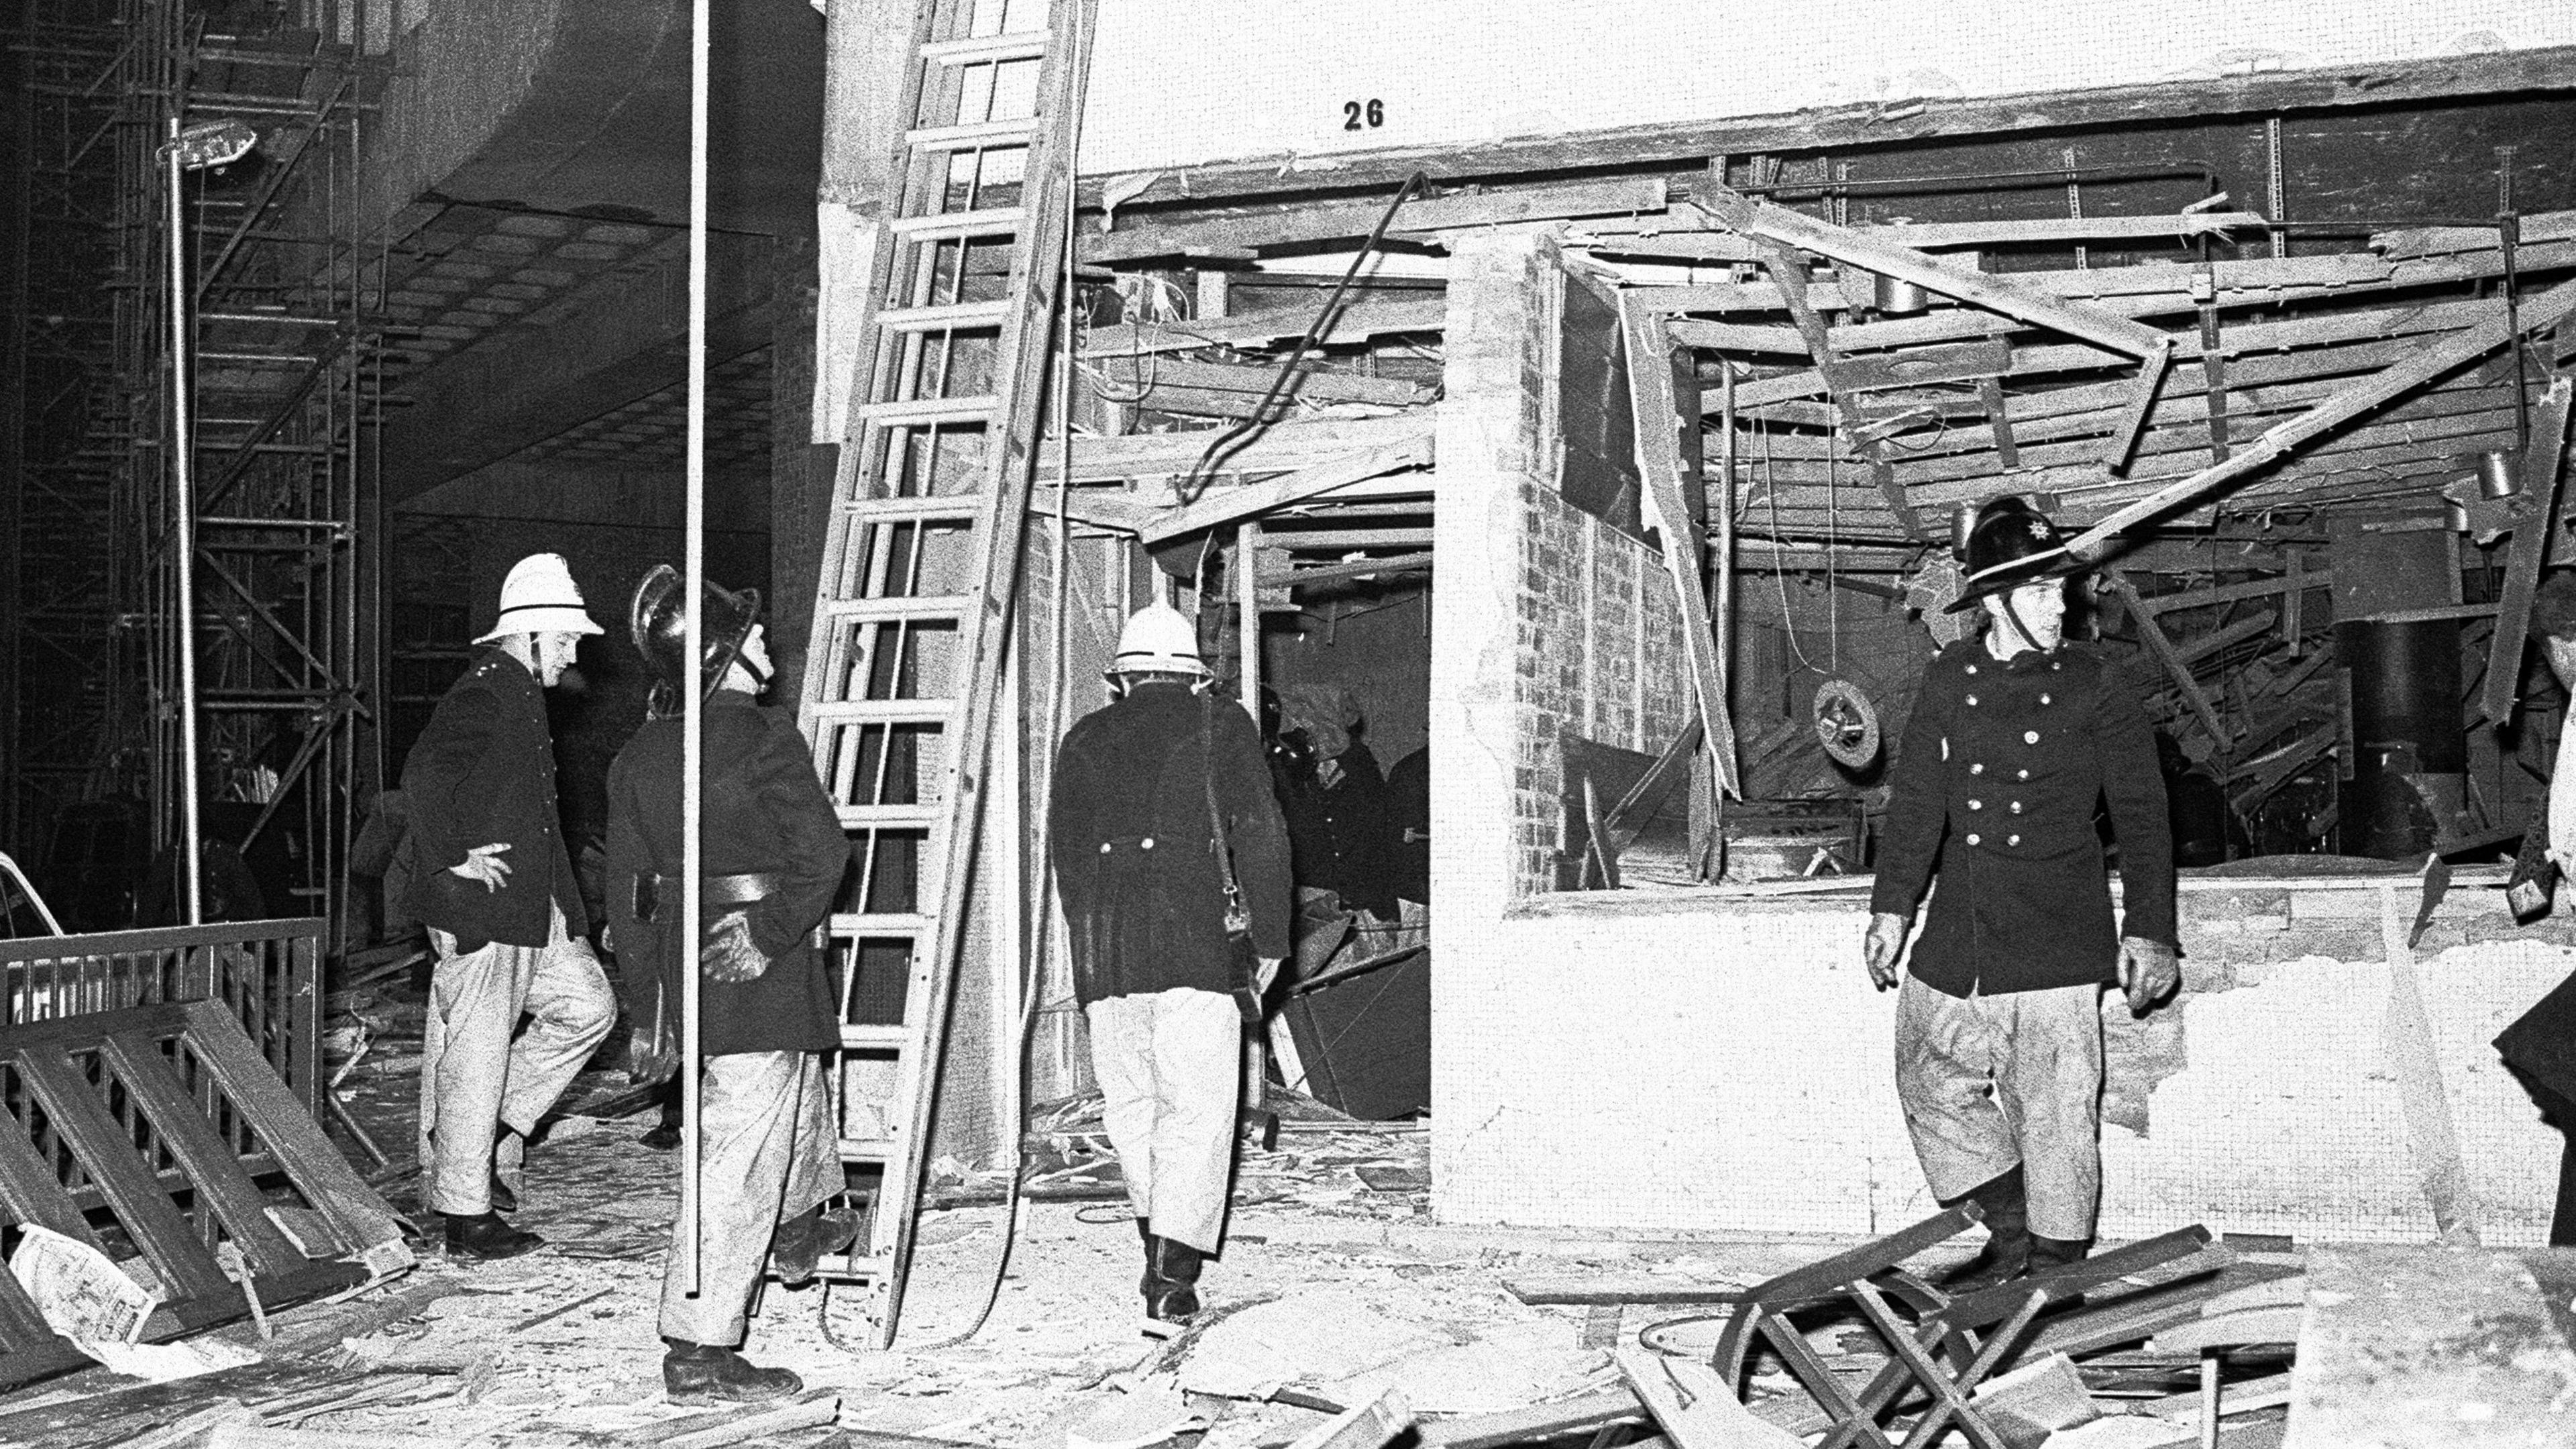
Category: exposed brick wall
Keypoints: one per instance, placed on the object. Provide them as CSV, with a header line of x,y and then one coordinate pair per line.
x,y
1598,650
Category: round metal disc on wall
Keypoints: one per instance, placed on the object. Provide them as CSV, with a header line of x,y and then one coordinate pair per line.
x,y
1846,723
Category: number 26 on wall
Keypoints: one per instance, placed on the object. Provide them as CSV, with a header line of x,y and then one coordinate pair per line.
x,y
1360,115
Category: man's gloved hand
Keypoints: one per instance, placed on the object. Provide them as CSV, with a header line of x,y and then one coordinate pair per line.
x,y
1886,942
2149,972
1266,974
729,956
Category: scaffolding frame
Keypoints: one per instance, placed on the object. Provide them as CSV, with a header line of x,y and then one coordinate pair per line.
x,y
280,291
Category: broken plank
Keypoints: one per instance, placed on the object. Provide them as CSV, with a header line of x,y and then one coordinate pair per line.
x,y
1229,505
1693,1405
1368,1426
2175,666
733,1426
1142,378
1539,1421
2524,557
2545,310
2236,633
1280,449
2231,593
1843,244
1657,414
1235,233
2133,417
1355,324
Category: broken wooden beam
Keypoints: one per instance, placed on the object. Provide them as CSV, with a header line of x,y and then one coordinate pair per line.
x,y
1221,506
2537,471
1656,409
2543,311
1844,244
1369,1426
1355,324
1710,1417
2295,580
2237,633
2175,666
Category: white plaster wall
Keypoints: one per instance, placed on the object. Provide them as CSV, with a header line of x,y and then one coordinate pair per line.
x,y
1182,82
1711,1064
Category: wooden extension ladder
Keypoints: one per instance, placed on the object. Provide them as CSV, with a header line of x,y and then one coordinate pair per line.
x,y
922,555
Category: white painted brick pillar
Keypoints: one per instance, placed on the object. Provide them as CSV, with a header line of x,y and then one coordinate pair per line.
x,y
1493,442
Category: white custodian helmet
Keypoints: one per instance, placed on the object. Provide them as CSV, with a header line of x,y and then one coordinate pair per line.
x,y
539,597
1158,640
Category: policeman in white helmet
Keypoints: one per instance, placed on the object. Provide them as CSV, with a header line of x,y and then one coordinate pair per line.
x,y
496,888
1172,861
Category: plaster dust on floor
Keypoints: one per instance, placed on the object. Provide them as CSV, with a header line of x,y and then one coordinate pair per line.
x,y
1329,1286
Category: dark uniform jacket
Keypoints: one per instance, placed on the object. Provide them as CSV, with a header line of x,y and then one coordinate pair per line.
x,y
1996,785
1135,855
762,812
1341,837
483,771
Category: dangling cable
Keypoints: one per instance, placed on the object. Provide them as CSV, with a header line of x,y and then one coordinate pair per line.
x,y
1231,440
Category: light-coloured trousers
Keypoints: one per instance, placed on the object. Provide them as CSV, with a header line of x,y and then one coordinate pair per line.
x,y
766,1154
1990,1081
1170,1065
479,1071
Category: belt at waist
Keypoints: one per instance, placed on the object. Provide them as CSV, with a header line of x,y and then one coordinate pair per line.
x,y
714,890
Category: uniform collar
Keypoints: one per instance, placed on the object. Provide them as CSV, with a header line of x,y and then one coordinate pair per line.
x,y
2027,660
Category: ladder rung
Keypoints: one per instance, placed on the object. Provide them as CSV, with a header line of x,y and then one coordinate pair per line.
x,y
867,1149
972,408
853,1268
860,817
879,923
885,711
972,134
875,1038
914,607
978,49
949,225
960,506
957,317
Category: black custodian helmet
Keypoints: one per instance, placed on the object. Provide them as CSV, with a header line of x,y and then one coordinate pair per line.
x,y
658,623
2011,544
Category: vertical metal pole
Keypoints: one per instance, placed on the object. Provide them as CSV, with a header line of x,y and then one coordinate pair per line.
x,y
183,474
693,692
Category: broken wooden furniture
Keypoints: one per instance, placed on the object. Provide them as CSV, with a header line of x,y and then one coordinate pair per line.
x,y
1950,1345
159,1132
268,973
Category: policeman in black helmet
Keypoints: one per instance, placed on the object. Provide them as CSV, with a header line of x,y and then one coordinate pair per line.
x,y
2016,739
772,859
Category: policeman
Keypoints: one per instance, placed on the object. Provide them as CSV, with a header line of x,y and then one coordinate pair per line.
x,y
2015,738
1153,798
773,856
495,887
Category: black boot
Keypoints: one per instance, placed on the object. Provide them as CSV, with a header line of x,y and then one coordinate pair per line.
x,y
503,1199
1175,1298
2050,1254
487,1236
802,1241
701,1373
2007,1252
666,1136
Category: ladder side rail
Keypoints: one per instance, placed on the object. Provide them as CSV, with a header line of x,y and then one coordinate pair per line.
x,y
1010,456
